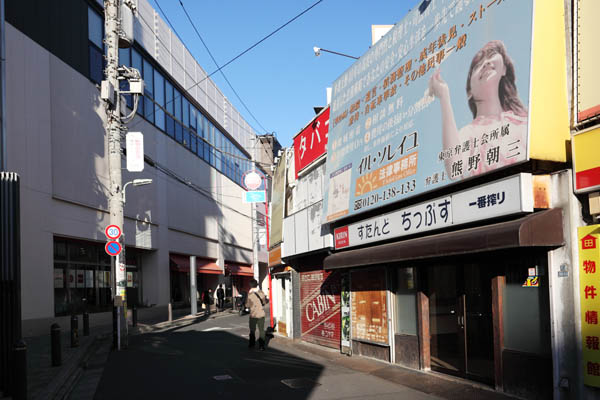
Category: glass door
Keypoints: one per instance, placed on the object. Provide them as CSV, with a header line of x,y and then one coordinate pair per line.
x,y
460,320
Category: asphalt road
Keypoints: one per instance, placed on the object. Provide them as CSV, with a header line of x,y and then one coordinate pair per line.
x,y
210,359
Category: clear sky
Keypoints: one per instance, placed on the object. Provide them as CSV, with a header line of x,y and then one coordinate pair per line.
x,y
280,80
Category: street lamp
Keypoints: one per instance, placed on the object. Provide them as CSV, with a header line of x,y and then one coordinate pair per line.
x,y
136,182
318,51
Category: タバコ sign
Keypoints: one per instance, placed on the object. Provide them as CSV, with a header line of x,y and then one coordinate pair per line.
x,y
589,294
311,143
413,113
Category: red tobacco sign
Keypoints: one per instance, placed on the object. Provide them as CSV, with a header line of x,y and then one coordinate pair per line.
x,y
311,143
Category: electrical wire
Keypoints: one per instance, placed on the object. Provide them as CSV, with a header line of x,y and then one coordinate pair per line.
x,y
217,65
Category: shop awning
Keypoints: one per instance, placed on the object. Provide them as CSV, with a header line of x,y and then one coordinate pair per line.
x,y
540,229
203,265
239,269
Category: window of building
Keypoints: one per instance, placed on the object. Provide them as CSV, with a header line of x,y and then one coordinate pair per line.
x,y
95,45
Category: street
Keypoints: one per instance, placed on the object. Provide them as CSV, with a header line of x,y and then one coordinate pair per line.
x,y
210,359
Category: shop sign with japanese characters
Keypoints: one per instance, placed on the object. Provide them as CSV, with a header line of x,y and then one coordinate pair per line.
x,y
505,197
311,143
589,294
416,112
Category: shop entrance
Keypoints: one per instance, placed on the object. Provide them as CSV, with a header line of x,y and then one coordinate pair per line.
x,y
460,318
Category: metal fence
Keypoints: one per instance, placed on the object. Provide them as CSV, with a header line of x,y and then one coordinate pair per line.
x,y
10,275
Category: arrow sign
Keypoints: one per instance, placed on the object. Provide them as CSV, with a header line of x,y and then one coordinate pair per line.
x,y
113,248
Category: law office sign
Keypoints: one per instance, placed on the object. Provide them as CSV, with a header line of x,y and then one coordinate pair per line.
x,y
589,294
402,122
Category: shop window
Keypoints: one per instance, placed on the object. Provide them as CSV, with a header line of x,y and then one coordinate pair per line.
x,y
406,304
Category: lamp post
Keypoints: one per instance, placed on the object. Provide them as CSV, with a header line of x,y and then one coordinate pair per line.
x,y
318,51
135,182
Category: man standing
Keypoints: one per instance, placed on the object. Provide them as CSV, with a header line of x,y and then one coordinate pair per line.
x,y
256,301
220,298
207,300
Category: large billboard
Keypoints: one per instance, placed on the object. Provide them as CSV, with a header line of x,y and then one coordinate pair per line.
x,y
587,60
443,97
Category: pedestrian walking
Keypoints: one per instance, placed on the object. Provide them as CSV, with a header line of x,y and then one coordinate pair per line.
x,y
220,298
207,299
256,301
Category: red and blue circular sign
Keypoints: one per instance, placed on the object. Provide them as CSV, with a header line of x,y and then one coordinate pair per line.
x,y
112,232
113,248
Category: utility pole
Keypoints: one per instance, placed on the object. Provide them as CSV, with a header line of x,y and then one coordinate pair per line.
x,y
255,246
113,134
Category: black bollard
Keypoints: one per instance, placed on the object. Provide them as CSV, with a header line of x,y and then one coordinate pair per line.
x,y
134,315
114,326
74,331
55,344
20,374
86,323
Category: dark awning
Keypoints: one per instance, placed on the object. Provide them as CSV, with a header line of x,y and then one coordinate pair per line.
x,y
181,263
540,229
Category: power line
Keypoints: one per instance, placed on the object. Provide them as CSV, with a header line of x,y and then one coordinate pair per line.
x,y
217,65
245,51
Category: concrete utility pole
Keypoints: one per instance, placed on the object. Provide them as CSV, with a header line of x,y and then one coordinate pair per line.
x,y
255,246
113,134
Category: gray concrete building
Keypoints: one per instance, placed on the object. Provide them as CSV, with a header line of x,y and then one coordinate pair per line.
x,y
197,147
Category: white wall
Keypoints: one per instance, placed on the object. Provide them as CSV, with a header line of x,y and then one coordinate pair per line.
x,y
56,143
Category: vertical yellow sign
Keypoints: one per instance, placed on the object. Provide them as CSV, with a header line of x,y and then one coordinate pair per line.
x,y
589,292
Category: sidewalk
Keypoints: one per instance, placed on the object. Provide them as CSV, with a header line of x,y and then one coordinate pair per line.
x,y
45,382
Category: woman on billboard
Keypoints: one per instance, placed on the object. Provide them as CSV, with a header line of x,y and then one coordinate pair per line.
x,y
497,135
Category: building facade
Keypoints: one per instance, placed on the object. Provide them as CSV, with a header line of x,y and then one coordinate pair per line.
x,y
196,149
461,239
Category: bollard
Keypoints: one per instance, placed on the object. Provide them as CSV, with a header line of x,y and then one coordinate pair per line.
x,y
86,323
74,331
20,373
55,345
170,312
114,330
134,315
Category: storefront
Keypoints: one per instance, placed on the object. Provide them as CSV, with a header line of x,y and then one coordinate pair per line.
x,y
83,277
208,275
472,303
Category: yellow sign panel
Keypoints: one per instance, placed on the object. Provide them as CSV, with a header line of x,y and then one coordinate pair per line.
x,y
589,293
588,79
586,163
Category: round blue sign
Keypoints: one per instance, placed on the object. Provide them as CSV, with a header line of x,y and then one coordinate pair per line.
x,y
113,248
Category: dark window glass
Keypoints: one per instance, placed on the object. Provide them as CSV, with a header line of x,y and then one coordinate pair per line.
x,y
178,132
95,28
96,64
148,109
159,88
170,126
60,250
193,143
159,117
125,57
200,148
186,112
169,97
148,79
186,137
177,104
136,62
193,117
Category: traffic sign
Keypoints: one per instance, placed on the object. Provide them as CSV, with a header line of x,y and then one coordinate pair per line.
x,y
112,232
252,180
257,196
113,248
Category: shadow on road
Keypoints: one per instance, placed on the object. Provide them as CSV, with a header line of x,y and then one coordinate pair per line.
x,y
207,365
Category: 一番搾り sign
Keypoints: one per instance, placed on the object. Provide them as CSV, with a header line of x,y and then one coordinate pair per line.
x,y
442,97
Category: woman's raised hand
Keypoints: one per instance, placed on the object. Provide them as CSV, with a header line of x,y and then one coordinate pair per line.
x,y
438,86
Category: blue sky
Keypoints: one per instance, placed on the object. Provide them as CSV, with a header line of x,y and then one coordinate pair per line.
x,y
280,80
